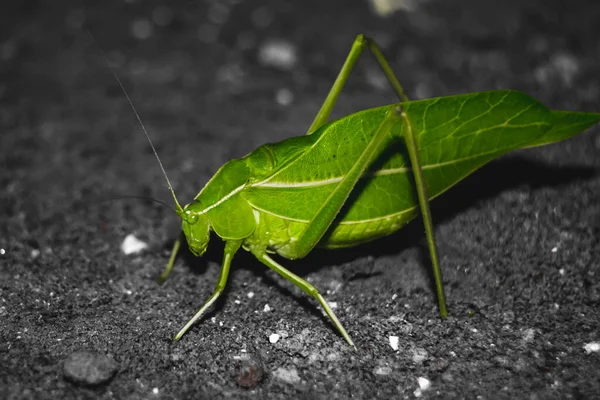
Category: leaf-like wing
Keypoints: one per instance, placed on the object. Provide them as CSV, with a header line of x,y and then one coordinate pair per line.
x,y
566,124
455,135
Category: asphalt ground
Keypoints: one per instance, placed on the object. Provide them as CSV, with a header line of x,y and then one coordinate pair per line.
x,y
518,240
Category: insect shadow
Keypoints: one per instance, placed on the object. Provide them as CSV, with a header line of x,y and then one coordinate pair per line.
x,y
508,173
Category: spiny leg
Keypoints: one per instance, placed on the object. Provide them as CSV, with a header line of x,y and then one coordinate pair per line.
x,y
308,289
356,50
231,247
169,268
358,46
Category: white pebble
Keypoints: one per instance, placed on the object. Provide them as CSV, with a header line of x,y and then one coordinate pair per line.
x,y
424,383
155,390
274,337
132,245
267,308
394,342
2,252
592,347
250,295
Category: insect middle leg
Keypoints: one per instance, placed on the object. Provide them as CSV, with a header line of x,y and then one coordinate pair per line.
x,y
323,219
308,289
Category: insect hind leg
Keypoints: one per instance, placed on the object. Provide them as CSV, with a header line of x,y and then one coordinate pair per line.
x,y
360,43
358,47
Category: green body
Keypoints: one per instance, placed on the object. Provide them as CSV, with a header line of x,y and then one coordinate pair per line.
x,y
360,177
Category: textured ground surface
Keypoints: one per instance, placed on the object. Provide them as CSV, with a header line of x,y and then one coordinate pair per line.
x,y
519,240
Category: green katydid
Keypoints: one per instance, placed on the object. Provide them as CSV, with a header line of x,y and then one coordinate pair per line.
x,y
291,196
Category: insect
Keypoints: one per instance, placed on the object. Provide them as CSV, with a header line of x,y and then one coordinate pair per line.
x,y
358,178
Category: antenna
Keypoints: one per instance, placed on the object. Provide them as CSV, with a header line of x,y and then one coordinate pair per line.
x,y
179,209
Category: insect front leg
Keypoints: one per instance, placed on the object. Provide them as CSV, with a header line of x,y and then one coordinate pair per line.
x,y
174,252
231,247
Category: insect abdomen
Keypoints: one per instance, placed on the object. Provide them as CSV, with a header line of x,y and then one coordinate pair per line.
x,y
347,234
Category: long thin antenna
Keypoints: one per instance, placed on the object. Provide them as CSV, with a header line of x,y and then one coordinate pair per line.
x,y
134,197
178,206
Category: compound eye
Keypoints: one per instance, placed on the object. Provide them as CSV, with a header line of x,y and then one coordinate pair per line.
x,y
192,219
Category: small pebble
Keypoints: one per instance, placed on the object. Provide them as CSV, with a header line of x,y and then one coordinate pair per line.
x,y
528,335
394,342
287,375
251,374
424,383
419,355
382,370
440,364
592,347
274,338
89,369
132,245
